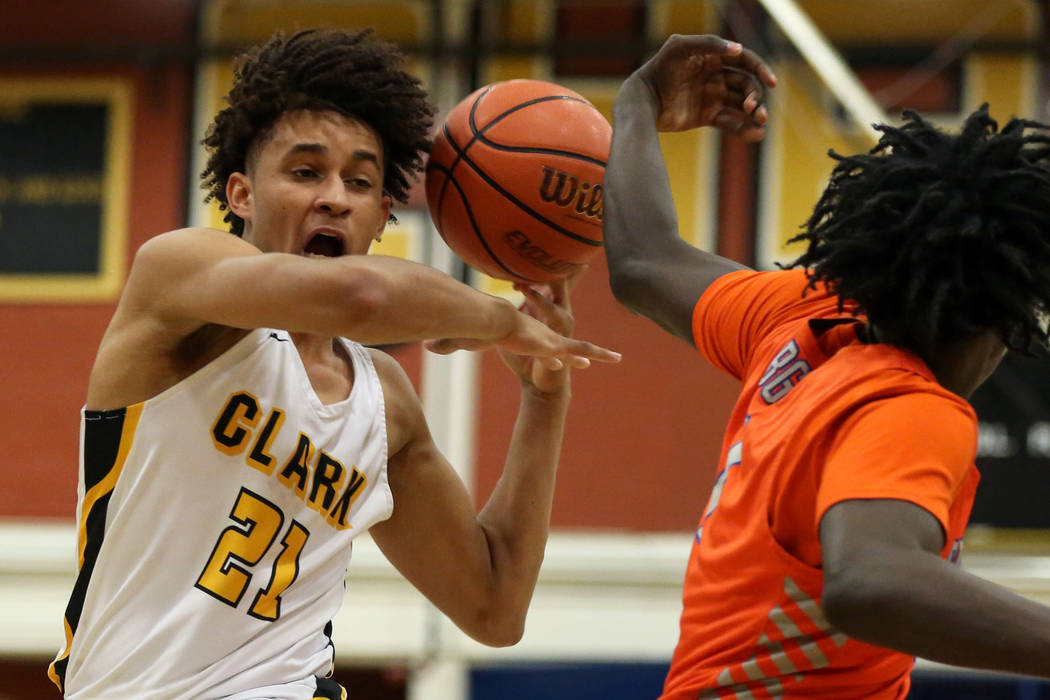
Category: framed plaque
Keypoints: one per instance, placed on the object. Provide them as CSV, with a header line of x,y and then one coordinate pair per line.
x,y
65,150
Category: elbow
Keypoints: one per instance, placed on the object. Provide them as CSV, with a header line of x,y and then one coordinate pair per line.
x,y
494,619
497,628
840,603
507,637
858,602
628,282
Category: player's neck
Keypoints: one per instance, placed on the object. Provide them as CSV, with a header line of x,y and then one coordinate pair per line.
x,y
312,346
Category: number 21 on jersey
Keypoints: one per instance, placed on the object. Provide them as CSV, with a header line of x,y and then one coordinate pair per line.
x,y
241,546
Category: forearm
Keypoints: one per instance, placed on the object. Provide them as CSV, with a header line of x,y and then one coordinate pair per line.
x,y
922,605
652,270
399,301
516,518
638,220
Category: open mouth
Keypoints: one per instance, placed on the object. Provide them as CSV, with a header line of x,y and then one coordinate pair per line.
x,y
324,244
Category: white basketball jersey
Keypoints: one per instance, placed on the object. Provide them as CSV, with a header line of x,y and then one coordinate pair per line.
x,y
215,528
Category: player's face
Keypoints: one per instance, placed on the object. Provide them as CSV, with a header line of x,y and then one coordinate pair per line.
x,y
989,351
315,187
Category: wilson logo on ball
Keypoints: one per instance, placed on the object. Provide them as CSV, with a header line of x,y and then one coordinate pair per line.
x,y
567,190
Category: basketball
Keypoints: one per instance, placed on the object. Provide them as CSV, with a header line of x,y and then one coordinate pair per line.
x,y
514,180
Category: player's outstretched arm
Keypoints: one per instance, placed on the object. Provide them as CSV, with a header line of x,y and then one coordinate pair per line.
x,y
193,277
480,569
692,81
886,585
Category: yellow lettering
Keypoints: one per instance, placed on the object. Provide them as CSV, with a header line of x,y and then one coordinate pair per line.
x,y
239,415
296,472
337,516
260,457
328,477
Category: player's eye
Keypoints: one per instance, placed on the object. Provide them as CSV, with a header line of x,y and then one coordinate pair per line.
x,y
305,172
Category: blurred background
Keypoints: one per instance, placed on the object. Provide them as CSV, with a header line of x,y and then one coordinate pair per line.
x,y
102,108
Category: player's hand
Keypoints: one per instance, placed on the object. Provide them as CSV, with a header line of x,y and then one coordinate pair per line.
x,y
539,341
706,80
549,304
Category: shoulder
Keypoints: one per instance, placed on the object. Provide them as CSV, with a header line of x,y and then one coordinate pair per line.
x,y
390,371
187,245
913,421
773,289
172,259
404,410
741,310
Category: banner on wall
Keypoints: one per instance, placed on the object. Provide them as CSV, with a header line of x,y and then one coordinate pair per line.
x,y
64,149
1013,449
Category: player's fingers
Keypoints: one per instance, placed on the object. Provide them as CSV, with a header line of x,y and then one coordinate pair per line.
x,y
750,61
572,280
561,290
704,44
751,105
740,124
558,317
590,351
745,84
536,304
760,115
577,362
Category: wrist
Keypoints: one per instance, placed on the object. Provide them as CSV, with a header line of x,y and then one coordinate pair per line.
x,y
635,91
503,318
553,398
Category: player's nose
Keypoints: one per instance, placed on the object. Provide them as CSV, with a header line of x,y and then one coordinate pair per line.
x,y
332,196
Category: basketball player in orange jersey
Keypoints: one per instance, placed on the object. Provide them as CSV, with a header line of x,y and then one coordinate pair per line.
x,y
826,557
237,435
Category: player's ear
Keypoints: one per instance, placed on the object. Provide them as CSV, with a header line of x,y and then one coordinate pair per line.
x,y
384,210
239,195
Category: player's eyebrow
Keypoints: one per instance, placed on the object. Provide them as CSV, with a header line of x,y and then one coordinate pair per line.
x,y
307,148
321,149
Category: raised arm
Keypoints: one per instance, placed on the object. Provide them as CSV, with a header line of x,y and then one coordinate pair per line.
x,y
480,569
692,81
193,277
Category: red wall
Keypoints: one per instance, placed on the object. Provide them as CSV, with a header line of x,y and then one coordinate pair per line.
x,y
47,349
643,436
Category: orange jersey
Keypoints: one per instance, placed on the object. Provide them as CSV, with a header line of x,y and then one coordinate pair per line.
x,y
822,418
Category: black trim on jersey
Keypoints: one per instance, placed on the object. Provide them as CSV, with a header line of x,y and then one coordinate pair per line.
x,y
95,526
102,433
328,632
327,689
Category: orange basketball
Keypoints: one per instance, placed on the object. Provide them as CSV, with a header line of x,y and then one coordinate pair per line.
x,y
514,181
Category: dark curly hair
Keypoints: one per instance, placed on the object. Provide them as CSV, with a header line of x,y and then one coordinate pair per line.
x,y
939,237
349,73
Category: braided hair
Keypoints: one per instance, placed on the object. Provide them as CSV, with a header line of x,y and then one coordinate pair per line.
x,y
349,73
939,237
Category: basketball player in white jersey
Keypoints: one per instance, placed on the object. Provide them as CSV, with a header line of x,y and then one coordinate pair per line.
x,y
237,434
